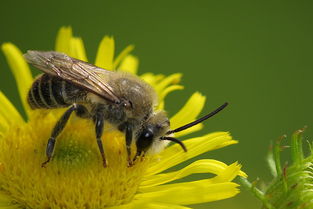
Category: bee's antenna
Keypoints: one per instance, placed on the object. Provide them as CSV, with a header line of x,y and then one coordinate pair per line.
x,y
189,125
176,141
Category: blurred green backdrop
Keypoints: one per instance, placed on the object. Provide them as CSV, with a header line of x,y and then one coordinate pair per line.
x,y
257,55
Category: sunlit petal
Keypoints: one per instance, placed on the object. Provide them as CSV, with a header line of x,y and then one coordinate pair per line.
x,y
200,166
229,173
122,55
193,129
20,71
184,193
151,78
147,204
105,54
174,155
156,205
4,125
70,45
169,80
77,49
165,92
62,43
189,112
129,64
8,111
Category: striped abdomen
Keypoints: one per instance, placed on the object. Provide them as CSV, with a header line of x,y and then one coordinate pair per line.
x,y
50,91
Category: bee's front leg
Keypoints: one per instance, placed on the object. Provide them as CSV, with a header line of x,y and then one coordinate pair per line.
x,y
128,138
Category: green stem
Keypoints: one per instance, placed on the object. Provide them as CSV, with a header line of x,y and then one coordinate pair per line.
x,y
257,193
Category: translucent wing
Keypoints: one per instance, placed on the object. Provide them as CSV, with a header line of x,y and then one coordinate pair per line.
x,y
76,71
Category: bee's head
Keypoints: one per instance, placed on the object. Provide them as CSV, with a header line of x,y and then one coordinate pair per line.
x,y
156,130
149,137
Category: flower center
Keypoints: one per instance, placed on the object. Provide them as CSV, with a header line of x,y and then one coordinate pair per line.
x,y
75,178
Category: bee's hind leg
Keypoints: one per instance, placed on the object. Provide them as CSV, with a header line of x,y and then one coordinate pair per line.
x,y
56,131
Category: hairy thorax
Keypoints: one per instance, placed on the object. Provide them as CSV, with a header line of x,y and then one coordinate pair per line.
x,y
139,95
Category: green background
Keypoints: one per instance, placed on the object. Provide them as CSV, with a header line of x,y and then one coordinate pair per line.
x,y
257,55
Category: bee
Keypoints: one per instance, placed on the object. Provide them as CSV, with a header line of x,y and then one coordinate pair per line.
x,y
104,96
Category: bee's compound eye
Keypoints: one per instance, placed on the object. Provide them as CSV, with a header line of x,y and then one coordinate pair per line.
x,y
144,140
148,134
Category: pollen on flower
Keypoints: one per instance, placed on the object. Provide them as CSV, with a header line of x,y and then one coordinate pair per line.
x,y
75,178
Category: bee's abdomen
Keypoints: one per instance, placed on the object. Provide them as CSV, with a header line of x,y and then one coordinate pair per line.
x,y
50,91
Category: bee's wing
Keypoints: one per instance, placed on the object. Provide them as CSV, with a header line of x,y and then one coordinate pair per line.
x,y
76,71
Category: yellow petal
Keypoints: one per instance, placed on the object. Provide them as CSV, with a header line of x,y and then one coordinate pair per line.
x,y
228,174
146,204
134,204
77,49
20,71
165,92
161,106
193,129
63,40
189,112
122,55
149,78
8,112
200,166
190,193
169,89
169,80
152,79
243,174
155,205
129,64
105,54
174,155
70,45
163,86
4,126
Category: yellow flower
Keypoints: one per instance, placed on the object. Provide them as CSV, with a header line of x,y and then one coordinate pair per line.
x,y
76,178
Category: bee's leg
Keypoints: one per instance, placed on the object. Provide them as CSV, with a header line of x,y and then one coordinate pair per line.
x,y
138,154
99,122
56,131
129,137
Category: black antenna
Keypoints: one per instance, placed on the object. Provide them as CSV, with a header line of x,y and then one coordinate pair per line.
x,y
189,125
176,141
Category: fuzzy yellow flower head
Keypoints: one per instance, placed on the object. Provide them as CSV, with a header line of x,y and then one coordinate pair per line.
x,y
75,178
